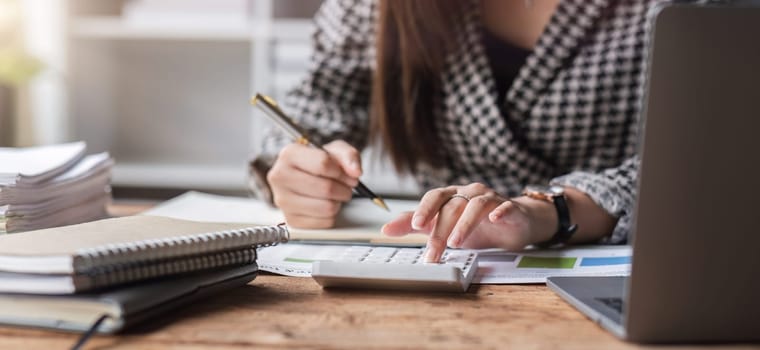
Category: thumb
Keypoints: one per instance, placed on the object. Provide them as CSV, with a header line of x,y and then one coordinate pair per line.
x,y
347,156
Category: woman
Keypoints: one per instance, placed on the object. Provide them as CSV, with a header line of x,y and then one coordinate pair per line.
x,y
478,99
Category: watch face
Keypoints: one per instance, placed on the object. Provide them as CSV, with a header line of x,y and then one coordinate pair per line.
x,y
551,191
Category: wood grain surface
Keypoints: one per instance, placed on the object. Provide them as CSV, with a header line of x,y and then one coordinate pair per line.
x,y
276,312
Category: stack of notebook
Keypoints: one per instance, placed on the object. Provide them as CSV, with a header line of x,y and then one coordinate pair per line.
x,y
49,186
123,269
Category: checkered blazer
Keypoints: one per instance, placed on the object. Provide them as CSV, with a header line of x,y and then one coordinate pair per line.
x,y
573,109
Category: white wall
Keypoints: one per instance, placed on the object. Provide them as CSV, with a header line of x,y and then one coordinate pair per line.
x,y
43,103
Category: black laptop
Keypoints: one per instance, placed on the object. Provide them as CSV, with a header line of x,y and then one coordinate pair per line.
x,y
696,238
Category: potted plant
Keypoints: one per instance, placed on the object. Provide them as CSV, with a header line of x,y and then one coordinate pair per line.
x,y
16,67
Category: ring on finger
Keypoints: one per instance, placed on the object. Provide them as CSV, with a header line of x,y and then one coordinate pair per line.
x,y
460,195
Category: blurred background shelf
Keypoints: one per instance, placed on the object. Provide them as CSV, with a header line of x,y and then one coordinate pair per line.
x,y
165,88
115,27
164,84
178,176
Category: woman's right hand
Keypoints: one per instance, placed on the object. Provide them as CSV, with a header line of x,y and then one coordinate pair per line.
x,y
310,185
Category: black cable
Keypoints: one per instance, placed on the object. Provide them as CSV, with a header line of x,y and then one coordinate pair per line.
x,y
87,335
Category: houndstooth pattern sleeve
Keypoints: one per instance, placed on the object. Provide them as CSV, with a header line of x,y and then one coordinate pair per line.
x,y
332,102
613,189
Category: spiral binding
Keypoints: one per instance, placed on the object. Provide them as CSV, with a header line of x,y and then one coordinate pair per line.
x,y
118,256
118,274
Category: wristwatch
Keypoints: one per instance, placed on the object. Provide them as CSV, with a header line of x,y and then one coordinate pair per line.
x,y
556,195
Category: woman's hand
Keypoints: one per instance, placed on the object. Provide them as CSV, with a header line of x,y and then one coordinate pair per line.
x,y
310,185
474,216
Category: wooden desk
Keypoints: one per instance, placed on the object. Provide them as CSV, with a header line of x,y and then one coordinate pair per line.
x,y
289,312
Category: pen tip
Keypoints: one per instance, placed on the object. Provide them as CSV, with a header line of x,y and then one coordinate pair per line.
x,y
380,203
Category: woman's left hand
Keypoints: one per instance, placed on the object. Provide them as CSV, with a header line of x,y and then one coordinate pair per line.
x,y
471,216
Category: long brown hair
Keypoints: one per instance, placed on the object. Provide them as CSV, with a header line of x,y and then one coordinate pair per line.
x,y
413,38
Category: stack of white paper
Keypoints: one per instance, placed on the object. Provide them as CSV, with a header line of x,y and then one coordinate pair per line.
x,y
48,186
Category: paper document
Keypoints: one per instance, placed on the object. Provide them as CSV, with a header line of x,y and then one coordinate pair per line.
x,y
37,164
500,267
359,221
294,259
53,185
494,267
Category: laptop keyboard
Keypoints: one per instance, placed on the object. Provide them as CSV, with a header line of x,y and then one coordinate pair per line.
x,y
614,303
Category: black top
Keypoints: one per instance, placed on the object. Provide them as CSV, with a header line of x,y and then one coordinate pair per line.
x,y
505,60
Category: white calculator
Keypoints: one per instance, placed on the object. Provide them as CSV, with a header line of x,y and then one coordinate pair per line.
x,y
397,268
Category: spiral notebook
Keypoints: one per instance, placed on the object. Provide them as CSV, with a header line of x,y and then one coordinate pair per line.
x,y
33,283
114,251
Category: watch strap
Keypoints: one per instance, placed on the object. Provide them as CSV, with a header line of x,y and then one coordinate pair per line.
x,y
565,228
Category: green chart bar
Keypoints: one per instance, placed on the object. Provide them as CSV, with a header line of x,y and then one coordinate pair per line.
x,y
546,263
298,260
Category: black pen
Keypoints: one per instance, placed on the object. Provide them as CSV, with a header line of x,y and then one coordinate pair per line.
x,y
273,111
